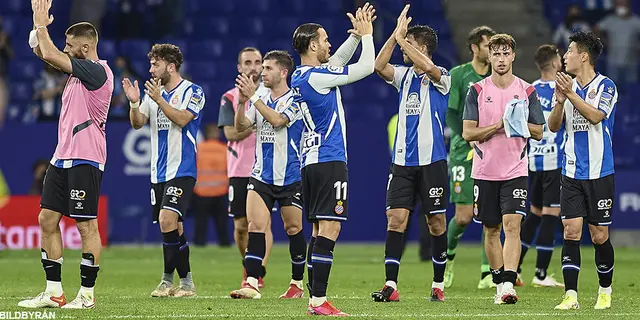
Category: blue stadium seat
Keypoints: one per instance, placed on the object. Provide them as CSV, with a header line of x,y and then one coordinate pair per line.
x,y
201,70
107,49
14,6
208,48
21,90
141,66
25,69
206,28
135,49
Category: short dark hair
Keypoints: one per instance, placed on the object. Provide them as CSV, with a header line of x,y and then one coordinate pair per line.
x,y
424,35
545,55
303,36
247,49
168,53
83,29
476,34
588,42
502,40
282,58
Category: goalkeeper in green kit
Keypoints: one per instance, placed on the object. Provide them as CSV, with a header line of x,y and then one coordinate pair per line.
x,y
461,154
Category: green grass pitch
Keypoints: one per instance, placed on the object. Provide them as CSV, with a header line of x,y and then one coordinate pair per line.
x,y
129,274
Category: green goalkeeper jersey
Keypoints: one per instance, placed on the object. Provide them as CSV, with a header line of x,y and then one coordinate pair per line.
x,y
462,78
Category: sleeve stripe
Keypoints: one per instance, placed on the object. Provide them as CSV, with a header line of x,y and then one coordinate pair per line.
x,y
530,90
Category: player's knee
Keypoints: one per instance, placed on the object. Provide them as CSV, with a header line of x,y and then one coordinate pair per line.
x,y
241,226
329,229
257,226
572,232
462,219
87,228
437,224
512,227
396,221
48,222
599,237
492,232
292,228
536,211
167,221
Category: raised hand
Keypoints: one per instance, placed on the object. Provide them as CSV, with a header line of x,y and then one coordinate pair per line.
x,y
131,90
368,10
564,83
41,16
246,86
153,89
403,24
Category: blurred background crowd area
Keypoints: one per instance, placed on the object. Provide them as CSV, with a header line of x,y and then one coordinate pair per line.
x,y
211,32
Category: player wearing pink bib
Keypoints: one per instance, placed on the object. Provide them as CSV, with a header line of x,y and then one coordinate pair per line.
x,y
500,162
241,148
72,182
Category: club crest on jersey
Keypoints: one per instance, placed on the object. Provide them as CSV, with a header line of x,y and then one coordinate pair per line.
x,y
174,100
413,104
457,188
425,80
475,209
339,209
335,69
592,94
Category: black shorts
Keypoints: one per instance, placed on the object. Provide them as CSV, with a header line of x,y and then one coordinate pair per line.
x,y
324,191
288,195
429,183
73,192
493,199
589,199
544,188
238,197
173,195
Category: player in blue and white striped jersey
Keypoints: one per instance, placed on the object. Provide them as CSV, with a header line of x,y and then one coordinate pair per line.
x,y
586,106
172,106
324,146
545,160
419,158
276,171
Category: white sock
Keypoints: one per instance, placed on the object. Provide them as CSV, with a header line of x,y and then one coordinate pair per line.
x,y
298,283
606,290
391,284
499,287
438,285
87,292
507,286
54,288
317,301
253,282
572,293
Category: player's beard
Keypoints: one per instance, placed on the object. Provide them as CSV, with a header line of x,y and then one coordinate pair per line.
x,y
406,59
323,57
164,77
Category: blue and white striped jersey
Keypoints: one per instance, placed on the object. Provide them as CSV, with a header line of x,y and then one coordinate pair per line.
x,y
277,149
588,150
546,154
173,149
423,103
316,92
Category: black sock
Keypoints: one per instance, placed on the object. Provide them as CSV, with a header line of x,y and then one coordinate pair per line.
x,y
52,268
544,245
183,265
171,249
297,251
321,259
570,264
496,275
509,276
88,270
255,253
484,274
439,256
312,243
263,271
604,262
527,233
392,254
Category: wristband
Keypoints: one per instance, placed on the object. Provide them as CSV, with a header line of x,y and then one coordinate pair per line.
x,y
254,98
33,39
135,105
